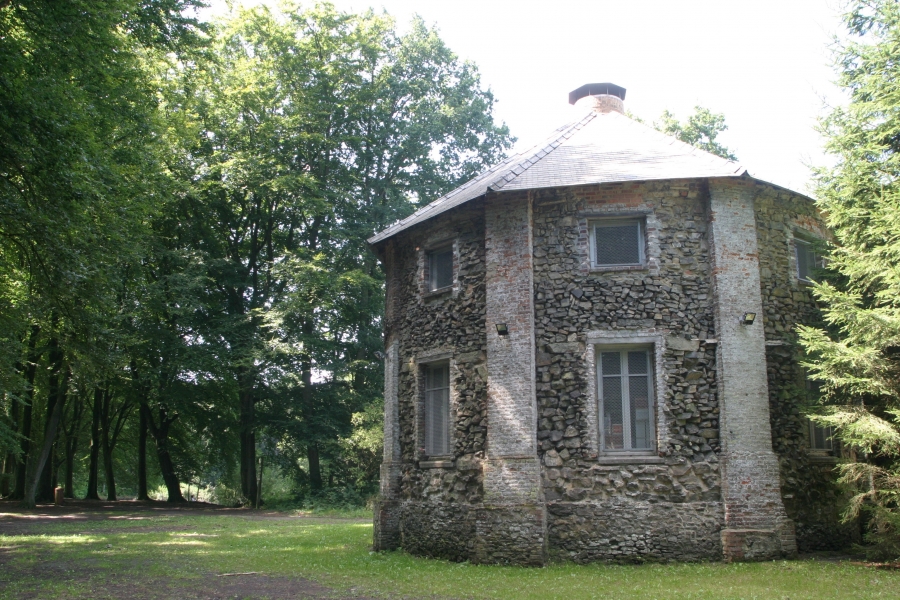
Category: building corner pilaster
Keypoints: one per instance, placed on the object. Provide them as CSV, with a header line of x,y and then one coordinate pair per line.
x,y
756,524
511,525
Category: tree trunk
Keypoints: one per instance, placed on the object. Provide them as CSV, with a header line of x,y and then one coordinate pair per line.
x,y
34,472
142,454
259,484
306,392
9,463
71,448
106,446
315,470
248,435
166,467
55,397
30,372
94,465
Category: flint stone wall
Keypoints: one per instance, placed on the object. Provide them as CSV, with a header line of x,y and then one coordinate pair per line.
x,y
664,506
811,497
438,529
628,505
449,325
629,530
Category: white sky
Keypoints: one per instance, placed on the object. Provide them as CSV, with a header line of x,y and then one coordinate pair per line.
x,y
765,64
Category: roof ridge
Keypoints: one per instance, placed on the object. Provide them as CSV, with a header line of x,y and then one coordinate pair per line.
x,y
541,150
672,140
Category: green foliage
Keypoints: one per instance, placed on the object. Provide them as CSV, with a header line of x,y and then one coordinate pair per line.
x,y
856,355
700,130
183,213
310,130
79,178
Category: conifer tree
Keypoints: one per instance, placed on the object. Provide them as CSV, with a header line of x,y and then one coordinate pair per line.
x,y
856,355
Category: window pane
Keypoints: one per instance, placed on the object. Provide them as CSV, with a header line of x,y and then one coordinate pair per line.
x,y
437,377
821,437
611,363
637,363
618,244
613,432
437,410
802,259
641,418
440,267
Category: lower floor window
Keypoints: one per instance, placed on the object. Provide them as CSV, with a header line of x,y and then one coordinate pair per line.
x,y
437,409
625,383
820,437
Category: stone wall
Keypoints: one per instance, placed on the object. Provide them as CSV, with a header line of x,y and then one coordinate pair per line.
x,y
449,325
589,505
428,507
811,497
630,530
594,496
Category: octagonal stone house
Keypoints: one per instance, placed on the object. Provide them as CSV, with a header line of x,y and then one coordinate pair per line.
x,y
589,353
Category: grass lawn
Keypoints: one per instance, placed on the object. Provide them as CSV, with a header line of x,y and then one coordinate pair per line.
x,y
160,553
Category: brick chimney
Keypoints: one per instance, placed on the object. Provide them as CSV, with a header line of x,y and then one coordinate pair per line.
x,y
600,97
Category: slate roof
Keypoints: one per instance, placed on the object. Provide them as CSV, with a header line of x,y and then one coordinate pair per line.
x,y
597,148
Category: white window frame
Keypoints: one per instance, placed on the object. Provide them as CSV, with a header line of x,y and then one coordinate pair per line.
x,y
431,283
428,413
814,260
640,222
624,375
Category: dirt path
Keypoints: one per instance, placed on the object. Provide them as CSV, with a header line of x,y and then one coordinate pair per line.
x,y
15,520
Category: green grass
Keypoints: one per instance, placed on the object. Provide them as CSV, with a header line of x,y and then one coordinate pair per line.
x,y
69,559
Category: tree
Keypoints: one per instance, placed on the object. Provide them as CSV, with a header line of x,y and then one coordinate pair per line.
x,y
700,130
857,354
311,130
78,173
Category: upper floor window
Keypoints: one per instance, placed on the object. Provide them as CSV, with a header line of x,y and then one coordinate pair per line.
x,y
440,268
626,398
437,409
617,243
808,260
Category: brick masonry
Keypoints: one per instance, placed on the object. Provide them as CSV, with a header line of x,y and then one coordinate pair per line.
x,y
756,525
527,477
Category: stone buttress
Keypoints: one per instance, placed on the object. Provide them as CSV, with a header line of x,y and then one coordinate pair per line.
x,y
756,524
511,526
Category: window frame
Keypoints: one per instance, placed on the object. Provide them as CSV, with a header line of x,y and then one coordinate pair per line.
x,y
595,223
828,447
427,449
814,260
625,376
827,438
431,272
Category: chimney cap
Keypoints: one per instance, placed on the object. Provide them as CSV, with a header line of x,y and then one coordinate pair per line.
x,y
596,89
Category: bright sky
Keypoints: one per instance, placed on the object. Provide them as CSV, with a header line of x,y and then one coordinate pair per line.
x,y
765,64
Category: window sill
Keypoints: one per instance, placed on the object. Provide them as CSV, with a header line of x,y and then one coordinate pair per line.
x,y
614,268
444,291
822,458
437,463
630,459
